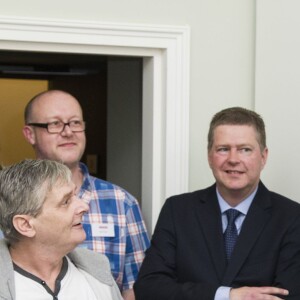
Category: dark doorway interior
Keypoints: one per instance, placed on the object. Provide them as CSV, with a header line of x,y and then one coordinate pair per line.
x,y
83,75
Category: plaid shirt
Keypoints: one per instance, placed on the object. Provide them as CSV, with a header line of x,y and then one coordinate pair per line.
x,y
110,204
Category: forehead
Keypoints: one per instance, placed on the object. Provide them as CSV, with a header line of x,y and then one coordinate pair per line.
x,y
59,190
58,105
235,133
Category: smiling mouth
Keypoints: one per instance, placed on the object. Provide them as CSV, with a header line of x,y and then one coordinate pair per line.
x,y
77,224
234,172
67,144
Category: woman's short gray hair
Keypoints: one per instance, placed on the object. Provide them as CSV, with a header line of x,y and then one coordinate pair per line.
x,y
23,190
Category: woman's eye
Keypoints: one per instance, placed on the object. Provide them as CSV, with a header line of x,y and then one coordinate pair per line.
x,y
66,202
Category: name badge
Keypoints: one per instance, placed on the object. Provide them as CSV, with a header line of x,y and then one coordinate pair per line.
x,y
103,229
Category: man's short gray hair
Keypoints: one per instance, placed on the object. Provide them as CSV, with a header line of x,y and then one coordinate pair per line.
x,y
238,116
23,190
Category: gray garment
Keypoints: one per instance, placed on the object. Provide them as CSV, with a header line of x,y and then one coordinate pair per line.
x,y
95,264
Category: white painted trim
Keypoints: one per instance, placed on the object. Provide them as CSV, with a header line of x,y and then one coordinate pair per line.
x,y
166,87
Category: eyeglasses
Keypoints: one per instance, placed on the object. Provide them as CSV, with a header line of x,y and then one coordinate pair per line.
x,y
59,126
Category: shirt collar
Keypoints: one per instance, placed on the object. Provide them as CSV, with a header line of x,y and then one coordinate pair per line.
x,y
86,184
243,207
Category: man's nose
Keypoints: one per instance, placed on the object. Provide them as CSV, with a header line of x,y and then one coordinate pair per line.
x,y
233,155
66,130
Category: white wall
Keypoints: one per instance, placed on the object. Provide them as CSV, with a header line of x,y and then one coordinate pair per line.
x,y
222,52
278,91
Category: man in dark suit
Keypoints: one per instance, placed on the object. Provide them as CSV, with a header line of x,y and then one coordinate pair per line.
x,y
235,240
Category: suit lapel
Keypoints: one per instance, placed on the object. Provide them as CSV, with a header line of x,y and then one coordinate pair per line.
x,y
209,216
254,223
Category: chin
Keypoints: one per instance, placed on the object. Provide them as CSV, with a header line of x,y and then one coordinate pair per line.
x,y
235,187
80,237
70,162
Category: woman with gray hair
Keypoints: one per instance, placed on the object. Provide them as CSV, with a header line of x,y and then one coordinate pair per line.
x,y
40,217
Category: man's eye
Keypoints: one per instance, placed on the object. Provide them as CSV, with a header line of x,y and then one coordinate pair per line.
x,y
76,122
245,149
222,149
55,123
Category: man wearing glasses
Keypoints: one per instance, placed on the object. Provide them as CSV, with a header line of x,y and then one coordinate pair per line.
x,y
114,226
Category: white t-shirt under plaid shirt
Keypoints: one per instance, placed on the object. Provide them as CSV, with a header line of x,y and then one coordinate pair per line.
x,y
124,238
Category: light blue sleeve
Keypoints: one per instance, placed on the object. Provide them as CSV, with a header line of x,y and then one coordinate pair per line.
x,y
222,293
1,234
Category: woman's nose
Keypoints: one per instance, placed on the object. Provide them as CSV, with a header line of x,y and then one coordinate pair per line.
x,y
82,206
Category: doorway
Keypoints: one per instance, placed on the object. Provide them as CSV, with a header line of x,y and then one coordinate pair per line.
x,y
164,51
110,93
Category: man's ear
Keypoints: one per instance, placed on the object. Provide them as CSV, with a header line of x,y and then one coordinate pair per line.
x,y
264,156
24,225
209,159
29,134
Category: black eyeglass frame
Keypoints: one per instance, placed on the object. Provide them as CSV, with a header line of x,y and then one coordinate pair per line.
x,y
46,126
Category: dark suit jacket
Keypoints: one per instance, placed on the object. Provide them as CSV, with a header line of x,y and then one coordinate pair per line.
x,y
186,259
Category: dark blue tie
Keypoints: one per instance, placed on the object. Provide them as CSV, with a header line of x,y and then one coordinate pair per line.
x,y
230,234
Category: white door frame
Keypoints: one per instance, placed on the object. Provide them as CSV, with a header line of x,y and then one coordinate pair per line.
x,y
165,52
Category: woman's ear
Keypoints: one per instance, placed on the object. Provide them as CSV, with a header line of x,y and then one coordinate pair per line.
x,y
23,224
